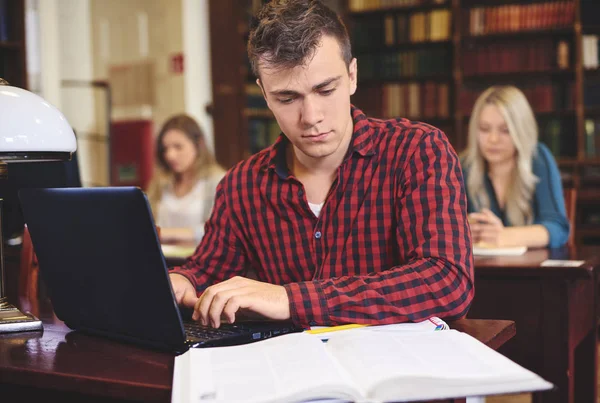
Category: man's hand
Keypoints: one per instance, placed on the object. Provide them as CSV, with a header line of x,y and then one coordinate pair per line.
x,y
184,291
241,294
486,228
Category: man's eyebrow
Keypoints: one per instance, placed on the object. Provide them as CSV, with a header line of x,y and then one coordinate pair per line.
x,y
326,83
315,88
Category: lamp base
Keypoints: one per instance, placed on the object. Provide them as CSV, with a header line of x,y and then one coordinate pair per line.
x,y
13,320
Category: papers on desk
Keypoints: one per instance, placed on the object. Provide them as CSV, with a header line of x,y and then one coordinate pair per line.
x,y
361,365
485,250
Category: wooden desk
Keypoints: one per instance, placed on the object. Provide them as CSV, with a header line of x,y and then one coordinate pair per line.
x,y
555,310
63,366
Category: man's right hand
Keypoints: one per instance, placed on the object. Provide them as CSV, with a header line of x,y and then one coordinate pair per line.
x,y
184,291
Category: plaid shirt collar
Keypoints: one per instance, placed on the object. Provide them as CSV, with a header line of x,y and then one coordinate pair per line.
x,y
361,144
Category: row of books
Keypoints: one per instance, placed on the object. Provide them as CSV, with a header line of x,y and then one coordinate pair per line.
x,y
415,100
520,17
262,133
254,97
591,51
367,5
395,65
592,137
536,55
432,26
4,21
543,98
557,134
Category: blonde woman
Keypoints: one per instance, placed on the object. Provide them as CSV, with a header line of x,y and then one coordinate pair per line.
x,y
182,191
514,189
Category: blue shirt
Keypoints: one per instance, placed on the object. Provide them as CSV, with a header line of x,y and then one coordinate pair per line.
x,y
548,203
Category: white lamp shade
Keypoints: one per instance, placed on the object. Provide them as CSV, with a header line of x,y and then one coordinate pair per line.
x,y
29,124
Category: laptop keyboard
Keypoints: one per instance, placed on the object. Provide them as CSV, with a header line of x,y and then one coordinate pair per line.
x,y
196,330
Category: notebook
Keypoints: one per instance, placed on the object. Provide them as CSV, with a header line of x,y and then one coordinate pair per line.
x,y
101,260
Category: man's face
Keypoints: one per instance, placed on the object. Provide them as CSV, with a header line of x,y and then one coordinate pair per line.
x,y
312,102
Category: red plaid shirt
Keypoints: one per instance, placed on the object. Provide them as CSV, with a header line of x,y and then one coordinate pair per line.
x,y
391,243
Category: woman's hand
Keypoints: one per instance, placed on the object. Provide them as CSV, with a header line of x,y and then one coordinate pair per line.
x,y
486,228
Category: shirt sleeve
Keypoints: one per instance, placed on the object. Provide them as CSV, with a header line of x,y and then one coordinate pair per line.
x,y
434,241
219,256
550,208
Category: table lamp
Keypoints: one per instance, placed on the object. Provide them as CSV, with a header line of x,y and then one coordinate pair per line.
x,y
30,130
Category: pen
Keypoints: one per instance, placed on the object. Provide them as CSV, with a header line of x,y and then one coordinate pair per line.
x,y
334,328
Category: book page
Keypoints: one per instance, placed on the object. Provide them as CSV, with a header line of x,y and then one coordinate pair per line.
x,y
293,367
428,365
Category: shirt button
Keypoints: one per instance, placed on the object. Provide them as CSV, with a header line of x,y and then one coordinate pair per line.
x,y
318,234
300,192
312,323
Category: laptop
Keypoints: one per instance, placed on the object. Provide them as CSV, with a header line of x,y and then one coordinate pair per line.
x,y
102,264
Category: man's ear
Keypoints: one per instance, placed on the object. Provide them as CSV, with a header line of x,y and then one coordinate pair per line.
x,y
262,89
353,74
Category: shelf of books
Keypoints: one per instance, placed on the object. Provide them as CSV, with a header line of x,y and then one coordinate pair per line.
x,y
404,49
262,127
12,42
589,210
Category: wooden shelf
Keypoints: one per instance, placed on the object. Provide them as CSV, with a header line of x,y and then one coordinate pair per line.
x,y
379,81
466,4
520,76
566,162
590,29
11,45
519,35
406,9
588,230
402,46
258,114
592,111
544,115
588,195
424,119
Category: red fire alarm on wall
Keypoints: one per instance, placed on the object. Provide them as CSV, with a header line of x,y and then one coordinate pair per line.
x,y
177,63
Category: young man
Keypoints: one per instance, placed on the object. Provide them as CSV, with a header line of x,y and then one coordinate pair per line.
x,y
344,219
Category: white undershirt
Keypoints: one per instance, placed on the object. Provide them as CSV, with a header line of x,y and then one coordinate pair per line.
x,y
316,208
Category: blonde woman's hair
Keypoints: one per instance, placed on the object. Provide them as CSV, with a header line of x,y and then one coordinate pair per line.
x,y
205,164
523,129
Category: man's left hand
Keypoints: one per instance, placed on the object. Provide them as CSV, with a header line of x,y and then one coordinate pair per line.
x,y
229,297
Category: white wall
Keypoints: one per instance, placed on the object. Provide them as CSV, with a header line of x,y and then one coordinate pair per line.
x,y
49,52
197,74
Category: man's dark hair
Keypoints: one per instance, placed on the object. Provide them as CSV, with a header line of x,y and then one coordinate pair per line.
x,y
286,33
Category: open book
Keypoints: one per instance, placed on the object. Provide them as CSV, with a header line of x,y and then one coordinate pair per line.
x,y
355,366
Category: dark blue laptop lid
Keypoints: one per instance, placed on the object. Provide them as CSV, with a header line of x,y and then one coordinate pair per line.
x,y
101,260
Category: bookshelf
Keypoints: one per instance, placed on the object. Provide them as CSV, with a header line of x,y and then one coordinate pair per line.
x,y
12,42
428,60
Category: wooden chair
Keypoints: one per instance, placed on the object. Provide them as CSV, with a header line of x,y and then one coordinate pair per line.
x,y
570,195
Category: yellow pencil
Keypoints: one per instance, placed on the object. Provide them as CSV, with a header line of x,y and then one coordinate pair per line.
x,y
335,328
